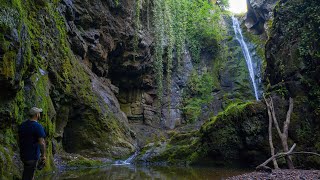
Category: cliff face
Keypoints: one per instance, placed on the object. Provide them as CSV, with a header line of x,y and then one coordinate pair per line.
x,y
293,68
78,61
49,58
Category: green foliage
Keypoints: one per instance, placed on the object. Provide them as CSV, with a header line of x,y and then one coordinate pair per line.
x,y
170,41
137,26
180,24
202,26
179,13
117,2
223,3
301,27
200,95
159,37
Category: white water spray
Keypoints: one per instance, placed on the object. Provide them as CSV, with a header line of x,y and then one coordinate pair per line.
x,y
127,161
246,53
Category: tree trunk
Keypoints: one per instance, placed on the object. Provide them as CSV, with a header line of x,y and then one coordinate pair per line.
x,y
284,134
275,164
286,149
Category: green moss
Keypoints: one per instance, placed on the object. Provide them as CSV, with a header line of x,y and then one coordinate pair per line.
x,y
233,110
198,95
181,149
7,169
84,162
259,42
7,66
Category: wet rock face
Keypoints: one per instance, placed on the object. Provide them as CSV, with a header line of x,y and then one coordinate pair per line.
x,y
259,12
100,34
171,111
104,41
293,67
292,51
13,62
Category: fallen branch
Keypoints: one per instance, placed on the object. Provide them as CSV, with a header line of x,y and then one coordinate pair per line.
x,y
279,155
275,157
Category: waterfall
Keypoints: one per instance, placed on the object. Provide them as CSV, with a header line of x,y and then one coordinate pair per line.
x,y
246,53
127,161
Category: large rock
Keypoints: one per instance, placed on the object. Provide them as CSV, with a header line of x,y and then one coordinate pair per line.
x,y
237,136
259,12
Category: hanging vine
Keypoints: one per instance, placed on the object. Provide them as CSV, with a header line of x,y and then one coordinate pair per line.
x,y
137,26
180,25
148,14
170,46
158,36
179,14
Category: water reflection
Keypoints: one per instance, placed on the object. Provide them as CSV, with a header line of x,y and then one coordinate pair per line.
x,y
140,173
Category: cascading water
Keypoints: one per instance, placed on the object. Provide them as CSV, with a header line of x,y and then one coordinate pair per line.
x,y
246,53
127,161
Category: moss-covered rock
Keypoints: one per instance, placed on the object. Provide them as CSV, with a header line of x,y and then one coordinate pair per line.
x,y
181,148
38,68
230,138
237,133
84,162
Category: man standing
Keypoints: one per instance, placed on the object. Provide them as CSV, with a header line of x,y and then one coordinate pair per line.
x,y
31,142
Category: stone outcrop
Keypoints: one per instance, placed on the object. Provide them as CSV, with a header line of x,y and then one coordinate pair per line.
x,y
259,13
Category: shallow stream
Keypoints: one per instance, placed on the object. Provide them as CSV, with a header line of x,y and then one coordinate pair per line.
x,y
131,172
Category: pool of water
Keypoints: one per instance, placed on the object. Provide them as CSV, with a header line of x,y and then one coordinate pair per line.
x,y
131,172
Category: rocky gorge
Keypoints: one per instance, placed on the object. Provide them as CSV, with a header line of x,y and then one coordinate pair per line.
x,y
93,66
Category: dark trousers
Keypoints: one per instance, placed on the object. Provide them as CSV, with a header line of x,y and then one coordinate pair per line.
x,y
29,167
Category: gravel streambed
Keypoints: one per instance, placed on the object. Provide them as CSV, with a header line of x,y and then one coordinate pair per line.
x,y
280,175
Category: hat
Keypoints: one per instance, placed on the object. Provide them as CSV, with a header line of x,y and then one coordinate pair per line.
x,y
34,111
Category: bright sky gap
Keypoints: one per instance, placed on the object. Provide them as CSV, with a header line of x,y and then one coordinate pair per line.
x,y
238,6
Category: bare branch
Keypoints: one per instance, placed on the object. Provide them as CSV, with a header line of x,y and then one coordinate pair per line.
x,y
280,155
287,122
276,156
275,164
275,118
265,100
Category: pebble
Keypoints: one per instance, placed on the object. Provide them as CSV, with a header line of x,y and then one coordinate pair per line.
x,y
280,175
